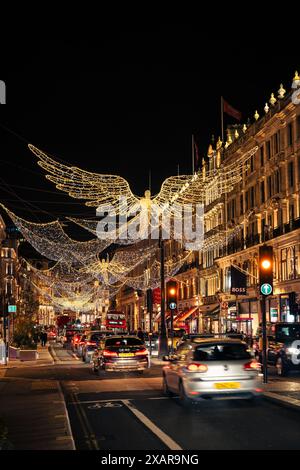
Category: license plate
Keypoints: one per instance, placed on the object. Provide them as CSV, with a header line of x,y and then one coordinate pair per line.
x,y
227,385
126,354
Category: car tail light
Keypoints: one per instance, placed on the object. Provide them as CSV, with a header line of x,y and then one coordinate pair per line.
x,y
197,368
107,353
142,352
252,365
91,343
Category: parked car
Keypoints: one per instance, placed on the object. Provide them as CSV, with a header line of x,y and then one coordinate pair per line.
x,y
121,353
212,368
283,348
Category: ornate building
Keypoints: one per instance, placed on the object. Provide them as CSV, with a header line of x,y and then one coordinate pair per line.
x,y
264,208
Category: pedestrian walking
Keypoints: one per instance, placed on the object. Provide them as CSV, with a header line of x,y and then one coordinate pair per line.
x,y
140,334
44,338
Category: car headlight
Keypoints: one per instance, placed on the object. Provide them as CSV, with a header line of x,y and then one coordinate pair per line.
x,y
293,350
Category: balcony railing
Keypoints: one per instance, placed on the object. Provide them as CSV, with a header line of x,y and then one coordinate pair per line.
x,y
239,244
188,266
210,299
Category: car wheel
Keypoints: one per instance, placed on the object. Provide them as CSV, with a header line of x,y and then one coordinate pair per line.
x,y
184,400
165,387
281,368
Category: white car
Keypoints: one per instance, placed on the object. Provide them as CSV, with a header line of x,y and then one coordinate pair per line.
x,y
212,369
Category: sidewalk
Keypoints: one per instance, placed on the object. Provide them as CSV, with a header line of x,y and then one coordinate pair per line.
x,y
284,392
44,359
34,411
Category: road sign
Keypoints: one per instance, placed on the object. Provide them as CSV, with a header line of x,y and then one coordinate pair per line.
x,y
173,305
12,309
266,289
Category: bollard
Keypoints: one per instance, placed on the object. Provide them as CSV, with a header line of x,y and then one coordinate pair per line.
x,y
2,352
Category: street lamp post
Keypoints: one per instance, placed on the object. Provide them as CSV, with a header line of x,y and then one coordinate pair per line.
x,y
264,339
163,343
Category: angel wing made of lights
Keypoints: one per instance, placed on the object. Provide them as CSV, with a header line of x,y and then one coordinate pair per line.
x,y
98,189
94,188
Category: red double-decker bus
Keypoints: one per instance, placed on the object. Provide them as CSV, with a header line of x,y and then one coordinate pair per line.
x,y
115,320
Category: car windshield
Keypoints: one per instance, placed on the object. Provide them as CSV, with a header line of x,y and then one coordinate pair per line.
x,y
96,336
221,351
287,332
123,342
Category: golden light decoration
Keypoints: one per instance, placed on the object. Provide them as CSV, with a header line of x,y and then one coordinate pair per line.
x,y
98,189
50,240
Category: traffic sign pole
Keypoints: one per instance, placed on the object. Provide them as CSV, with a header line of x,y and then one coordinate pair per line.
x,y
264,340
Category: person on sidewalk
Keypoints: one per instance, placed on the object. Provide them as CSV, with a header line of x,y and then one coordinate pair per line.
x,y
140,334
43,338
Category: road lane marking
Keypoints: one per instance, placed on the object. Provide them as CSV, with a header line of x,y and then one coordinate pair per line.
x,y
107,404
66,415
118,399
162,436
86,427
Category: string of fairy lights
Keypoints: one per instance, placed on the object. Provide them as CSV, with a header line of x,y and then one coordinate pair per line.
x,y
81,273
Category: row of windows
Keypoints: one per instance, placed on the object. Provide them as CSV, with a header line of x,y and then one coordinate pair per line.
x,y
287,267
266,189
275,144
187,291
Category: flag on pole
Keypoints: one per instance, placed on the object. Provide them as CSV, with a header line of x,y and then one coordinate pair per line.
x,y
196,156
228,109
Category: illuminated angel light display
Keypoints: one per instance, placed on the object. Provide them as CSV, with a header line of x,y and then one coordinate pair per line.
x,y
50,240
177,192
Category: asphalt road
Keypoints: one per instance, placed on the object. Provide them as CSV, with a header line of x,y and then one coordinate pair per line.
x,y
125,411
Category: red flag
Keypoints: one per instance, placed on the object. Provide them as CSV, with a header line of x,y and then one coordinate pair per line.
x,y
227,108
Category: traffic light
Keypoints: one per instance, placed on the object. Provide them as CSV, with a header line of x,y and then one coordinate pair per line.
x,y
172,295
266,270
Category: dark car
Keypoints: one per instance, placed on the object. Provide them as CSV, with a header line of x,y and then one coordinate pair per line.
x,y
68,335
283,348
121,353
91,343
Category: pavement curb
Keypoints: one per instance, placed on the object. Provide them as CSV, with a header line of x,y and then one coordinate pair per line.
x,y
66,415
289,402
54,356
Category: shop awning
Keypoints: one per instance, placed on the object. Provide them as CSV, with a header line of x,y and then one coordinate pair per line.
x,y
185,315
210,310
157,318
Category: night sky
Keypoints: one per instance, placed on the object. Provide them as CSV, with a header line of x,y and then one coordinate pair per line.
x,y
124,102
